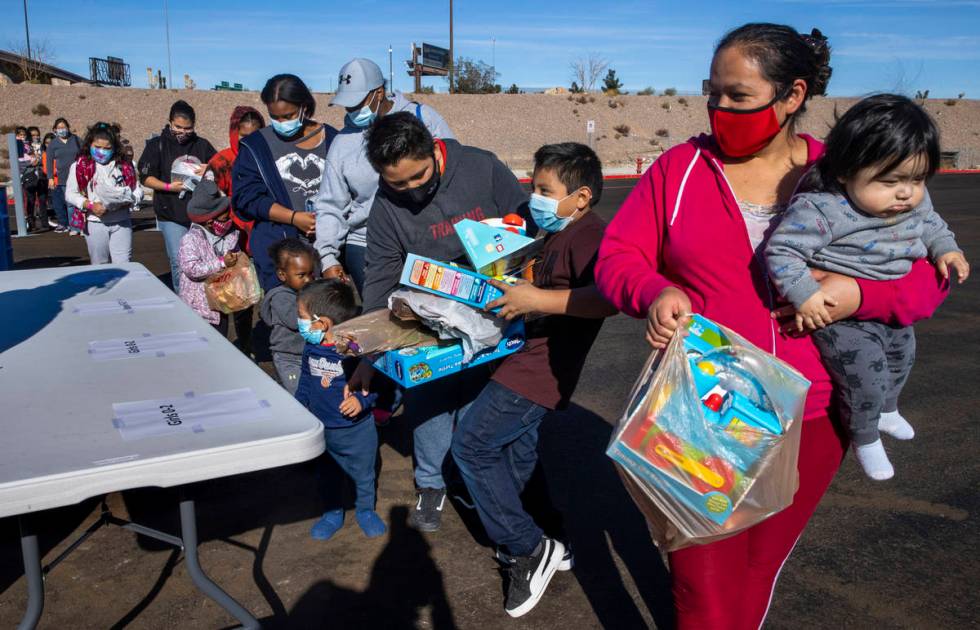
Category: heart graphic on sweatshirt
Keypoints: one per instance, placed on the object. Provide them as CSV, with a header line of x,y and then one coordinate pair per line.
x,y
303,171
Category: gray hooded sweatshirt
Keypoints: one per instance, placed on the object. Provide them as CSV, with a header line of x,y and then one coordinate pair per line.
x,y
279,312
349,183
823,230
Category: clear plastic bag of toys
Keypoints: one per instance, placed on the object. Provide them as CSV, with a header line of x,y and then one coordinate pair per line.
x,y
709,442
235,288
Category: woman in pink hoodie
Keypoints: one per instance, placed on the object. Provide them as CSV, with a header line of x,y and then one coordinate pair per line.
x,y
689,239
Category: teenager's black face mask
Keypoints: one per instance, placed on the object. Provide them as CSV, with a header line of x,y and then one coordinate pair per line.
x,y
417,197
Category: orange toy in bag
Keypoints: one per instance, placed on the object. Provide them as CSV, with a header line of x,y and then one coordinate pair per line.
x,y
235,288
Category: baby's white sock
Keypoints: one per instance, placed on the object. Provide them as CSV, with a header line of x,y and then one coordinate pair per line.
x,y
874,460
892,423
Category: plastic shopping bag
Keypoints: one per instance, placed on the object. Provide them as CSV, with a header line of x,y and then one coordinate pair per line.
x,y
709,442
380,331
235,288
477,329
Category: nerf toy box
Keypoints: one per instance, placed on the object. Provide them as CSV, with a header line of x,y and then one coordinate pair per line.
x,y
413,366
456,283
497,247
710,439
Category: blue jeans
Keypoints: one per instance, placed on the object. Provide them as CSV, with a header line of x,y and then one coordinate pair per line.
x,y
60,205
351,452
495,448
434,408
354,264
172,233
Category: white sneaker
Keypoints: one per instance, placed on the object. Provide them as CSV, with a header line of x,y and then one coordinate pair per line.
x,y
530,576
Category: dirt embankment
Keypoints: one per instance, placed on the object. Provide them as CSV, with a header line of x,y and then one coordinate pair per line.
x,y
512,126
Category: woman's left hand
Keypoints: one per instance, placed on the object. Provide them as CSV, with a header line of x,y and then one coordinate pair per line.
x,y
843,289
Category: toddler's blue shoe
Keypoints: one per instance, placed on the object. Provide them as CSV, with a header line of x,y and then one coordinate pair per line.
x,y
328,525
371,524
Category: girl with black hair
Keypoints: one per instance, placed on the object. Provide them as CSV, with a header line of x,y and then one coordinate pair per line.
x,y
177,145
60,156
29,159
868,215
278,171
690,238
103,189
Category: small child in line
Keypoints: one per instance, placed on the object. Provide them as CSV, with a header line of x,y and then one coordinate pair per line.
x,y
495,442
866,214
210,245
296,266
350,434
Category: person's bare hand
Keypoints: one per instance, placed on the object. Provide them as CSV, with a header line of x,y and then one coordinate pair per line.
x,y
97,209
230,259
518,299
666,313
336,271
843,289
305,222
957,261
351,406
813,313
177,186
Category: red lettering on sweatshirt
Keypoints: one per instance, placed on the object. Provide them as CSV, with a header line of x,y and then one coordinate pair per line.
x,y
445,228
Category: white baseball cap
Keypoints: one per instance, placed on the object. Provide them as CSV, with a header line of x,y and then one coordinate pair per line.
x,y
357,78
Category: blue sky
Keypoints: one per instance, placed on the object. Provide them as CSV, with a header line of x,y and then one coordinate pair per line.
x,y
879,45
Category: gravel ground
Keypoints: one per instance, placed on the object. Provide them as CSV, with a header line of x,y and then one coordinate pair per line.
x,y
512,126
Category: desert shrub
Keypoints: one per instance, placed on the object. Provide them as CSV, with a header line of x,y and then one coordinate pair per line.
x,y
622,129
682,101
647,91
670,92
663,133
665,105
41,110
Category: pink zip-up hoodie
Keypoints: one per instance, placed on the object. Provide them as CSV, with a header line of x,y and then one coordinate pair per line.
x,y
681,226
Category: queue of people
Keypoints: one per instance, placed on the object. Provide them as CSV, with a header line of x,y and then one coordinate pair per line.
x,y
725,224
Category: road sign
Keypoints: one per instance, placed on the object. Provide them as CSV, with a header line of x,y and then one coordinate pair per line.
x,y
435,57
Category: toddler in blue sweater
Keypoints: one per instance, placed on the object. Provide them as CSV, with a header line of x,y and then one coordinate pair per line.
x,y
349,432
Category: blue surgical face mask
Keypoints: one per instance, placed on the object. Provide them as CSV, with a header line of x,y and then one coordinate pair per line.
x,y
544,211
61,133
102,156
306,331
288,128
363,117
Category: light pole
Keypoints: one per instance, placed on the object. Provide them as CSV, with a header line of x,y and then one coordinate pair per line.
x,y
391,76
27,31
452,59
493,58
166,19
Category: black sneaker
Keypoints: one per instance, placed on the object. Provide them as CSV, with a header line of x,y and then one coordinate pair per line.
x,y
427,516
530,575
567,560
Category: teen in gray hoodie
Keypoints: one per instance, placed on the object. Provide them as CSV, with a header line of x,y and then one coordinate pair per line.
x,y
349,181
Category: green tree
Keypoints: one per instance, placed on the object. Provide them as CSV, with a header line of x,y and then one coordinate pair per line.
x,y
575,89
611,83
513,89
475,77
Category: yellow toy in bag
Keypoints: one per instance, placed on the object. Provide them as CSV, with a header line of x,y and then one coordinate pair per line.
x,y
235,288
709,442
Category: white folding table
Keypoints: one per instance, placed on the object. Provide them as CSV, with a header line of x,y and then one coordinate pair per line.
x,y
74,441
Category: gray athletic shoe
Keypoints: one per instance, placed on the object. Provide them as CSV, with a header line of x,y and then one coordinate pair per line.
x,y
427,516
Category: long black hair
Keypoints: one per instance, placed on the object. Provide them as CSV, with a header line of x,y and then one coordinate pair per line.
x,y
290,89
879,132
784,55
103,131
182,109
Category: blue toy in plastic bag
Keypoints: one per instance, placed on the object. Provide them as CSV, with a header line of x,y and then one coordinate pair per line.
x,y
709,442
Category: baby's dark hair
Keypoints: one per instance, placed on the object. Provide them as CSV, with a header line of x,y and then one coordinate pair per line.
x,y
575,165
879,132
331,298
281,251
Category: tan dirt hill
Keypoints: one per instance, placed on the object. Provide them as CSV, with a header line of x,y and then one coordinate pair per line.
x,y
512,126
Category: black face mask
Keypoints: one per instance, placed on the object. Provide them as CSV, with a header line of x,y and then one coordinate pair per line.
x,y
418,197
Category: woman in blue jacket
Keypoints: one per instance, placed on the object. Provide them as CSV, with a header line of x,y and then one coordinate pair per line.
x,y
278,171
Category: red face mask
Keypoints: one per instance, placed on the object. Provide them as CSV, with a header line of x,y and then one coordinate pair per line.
x,y
742,132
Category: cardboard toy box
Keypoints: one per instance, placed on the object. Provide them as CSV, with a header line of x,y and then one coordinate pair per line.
x,y
413,366
444,280
496,249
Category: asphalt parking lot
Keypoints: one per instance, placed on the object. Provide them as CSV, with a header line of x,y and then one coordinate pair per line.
x,y
898,554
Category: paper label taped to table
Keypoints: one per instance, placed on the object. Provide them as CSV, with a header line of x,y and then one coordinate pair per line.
x,y
146,345
122,305
189,413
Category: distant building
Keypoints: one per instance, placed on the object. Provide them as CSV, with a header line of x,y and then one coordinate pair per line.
x,y
16,68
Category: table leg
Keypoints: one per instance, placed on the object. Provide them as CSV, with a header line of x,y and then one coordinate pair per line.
x,y
188,528
32,571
